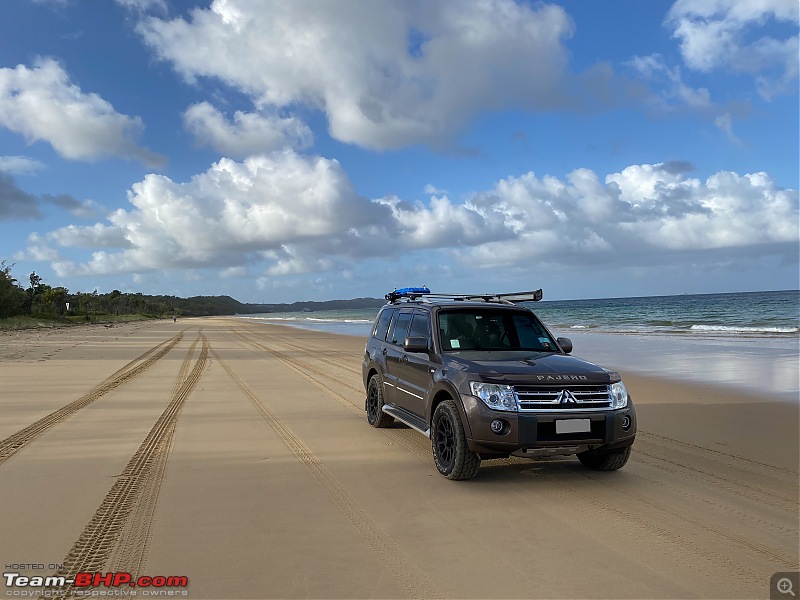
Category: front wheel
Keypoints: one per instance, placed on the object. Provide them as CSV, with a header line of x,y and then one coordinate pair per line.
x,y
375,415
604,461
451,454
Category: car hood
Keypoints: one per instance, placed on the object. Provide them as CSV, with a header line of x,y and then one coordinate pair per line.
x,y
534,368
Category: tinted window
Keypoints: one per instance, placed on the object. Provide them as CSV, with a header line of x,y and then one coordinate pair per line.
x,y
531,334
382,326
419,326
399,329
487,329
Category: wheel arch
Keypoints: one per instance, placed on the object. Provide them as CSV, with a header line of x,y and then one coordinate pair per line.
x,y
445,392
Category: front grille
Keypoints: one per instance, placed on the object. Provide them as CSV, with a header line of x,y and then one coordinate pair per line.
x,y
570,397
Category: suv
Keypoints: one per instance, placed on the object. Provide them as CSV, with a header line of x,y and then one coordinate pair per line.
x,y
483,378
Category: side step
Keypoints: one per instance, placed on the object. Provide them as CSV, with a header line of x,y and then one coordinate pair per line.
x,y
409,418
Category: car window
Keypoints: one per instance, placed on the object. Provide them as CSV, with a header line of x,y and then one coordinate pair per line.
x,y
419,326
382,324
399,328
487,329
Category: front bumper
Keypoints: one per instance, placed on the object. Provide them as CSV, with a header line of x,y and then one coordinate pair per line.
x,y
529,430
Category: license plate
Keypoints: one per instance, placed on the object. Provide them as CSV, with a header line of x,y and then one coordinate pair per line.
x,y
573,426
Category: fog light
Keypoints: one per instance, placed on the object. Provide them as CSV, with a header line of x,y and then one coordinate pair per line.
x,y
626,423
497,426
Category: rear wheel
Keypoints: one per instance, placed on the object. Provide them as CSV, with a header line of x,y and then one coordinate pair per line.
x,y
375,415
604,461
451,454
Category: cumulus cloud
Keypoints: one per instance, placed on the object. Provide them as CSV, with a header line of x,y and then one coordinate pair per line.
x,y
248,133
386,74
227,215
41,104
295,215
723,34
19,165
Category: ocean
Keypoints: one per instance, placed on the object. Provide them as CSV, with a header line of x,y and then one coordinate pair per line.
x,y
750,340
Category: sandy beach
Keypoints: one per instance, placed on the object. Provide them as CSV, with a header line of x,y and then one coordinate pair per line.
x,y
237,454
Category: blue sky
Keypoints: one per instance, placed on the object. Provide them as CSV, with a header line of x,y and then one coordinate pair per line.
x,y
311,150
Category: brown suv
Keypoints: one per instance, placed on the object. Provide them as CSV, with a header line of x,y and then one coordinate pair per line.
x,y
483,378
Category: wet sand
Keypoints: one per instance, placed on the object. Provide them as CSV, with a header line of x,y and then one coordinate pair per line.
x,y
237,454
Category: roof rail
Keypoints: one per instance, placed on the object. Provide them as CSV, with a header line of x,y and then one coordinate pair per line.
x,y
425,294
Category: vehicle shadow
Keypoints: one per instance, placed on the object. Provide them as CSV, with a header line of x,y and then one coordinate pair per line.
x,y
542,471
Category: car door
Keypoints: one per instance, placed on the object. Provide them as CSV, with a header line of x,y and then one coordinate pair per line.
x,y
377,349
393,352
414,368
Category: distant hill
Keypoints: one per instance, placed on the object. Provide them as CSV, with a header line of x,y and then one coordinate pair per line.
x,y
198,306
314,306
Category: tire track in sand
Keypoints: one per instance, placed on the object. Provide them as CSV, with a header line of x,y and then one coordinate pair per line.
x,y
389,554
318,378
133,547
16,441
93,549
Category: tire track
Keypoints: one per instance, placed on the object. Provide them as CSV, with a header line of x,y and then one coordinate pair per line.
x,y
748,491
140,478
16,441
389,554
304,370
133,547
717,452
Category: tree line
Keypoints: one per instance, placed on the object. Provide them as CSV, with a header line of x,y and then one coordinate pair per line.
x,y
35,298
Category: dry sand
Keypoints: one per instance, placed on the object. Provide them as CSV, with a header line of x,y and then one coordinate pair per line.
x,y
237,454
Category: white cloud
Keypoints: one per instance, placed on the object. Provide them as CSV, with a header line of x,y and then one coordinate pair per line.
x,y
233,272
42,104
297,215
719,34
674,91
19,165
143,5
249,133
725,124
387,74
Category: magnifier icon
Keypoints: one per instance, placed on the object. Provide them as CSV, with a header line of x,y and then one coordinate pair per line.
x,y
784,586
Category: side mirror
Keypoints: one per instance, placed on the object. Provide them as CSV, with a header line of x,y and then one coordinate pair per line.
x,y
415,344
566,344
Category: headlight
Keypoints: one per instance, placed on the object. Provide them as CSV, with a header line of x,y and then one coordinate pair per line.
x,y
619,395
498,397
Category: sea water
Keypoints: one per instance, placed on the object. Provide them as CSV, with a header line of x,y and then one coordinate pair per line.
x,y
749,339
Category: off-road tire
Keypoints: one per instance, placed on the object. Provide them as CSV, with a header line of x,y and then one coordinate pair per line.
x,y
452,456
374,405
600,461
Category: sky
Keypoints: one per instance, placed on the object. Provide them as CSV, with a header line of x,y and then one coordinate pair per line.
x,y
277,151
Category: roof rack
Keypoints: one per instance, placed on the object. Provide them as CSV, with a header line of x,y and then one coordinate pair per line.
x,y
424,294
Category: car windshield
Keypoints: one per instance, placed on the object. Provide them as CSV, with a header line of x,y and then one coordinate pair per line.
x,y
487,329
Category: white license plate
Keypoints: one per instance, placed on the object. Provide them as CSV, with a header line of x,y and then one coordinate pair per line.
x,y
573,426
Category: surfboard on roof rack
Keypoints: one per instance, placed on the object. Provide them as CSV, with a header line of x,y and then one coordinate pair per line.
x,y
423,293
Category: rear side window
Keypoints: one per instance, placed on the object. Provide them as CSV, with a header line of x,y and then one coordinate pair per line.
x,y
399,329
419,326
382,326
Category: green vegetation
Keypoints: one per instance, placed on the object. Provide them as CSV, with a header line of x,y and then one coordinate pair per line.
x,y
40,305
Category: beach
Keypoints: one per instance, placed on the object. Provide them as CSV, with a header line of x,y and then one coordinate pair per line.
x,y
236,453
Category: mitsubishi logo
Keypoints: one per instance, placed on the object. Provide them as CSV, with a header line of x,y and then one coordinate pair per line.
x,y
566,397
